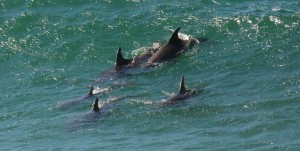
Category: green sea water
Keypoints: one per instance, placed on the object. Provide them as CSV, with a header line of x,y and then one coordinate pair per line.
x,y
52,51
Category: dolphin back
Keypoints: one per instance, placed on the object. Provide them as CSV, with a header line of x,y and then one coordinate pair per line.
x,y
120,60
174,40
96,105
182,88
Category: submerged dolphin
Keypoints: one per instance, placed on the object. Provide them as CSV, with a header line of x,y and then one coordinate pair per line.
x,y
71,103
182,95
97,113
85,119
174,46
96,108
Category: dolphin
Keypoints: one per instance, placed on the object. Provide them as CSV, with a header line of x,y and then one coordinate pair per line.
x,y
121,62
98,112
113,73
157,52
96,108
182,95
122,65
174,46
142,59
85,119
154,54
71,103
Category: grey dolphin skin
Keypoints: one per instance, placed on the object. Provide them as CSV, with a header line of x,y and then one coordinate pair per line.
x,y
97,113
69,103
85,119
154,54
182,95
112,73
174,46
137,60
157,52
120,60
96,106
121,64
109,102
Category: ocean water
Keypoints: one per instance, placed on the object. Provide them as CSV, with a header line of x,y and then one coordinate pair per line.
x,y
52,51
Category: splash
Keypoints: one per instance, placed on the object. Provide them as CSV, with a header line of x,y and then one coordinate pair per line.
x,y
98,90
275,19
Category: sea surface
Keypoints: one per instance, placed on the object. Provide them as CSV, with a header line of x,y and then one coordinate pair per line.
x,y
52,51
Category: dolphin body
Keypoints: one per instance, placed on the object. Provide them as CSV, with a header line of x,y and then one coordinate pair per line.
x,y
98,109
97,113
182,95
113,73
71,103
66,104
85,119
157,52
174,47
123,65
154,54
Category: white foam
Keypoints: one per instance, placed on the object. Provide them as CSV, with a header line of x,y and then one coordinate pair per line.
x,y
98,90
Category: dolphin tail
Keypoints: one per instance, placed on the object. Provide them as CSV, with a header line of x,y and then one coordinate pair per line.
x,y
174,38
182,88
120,60
96,106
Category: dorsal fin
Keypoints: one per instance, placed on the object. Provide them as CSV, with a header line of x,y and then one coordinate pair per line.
x,y
96,106
120,61
91,91
174,38
182,88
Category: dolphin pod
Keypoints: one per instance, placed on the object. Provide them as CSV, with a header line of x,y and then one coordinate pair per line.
x,y
154,55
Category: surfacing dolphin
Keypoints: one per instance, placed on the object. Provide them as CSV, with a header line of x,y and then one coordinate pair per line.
x,y
174,47
112,73
182,95
98,112
155,54
123,65
74,102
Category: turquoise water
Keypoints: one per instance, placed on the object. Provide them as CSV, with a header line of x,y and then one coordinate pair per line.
x,y
52,51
